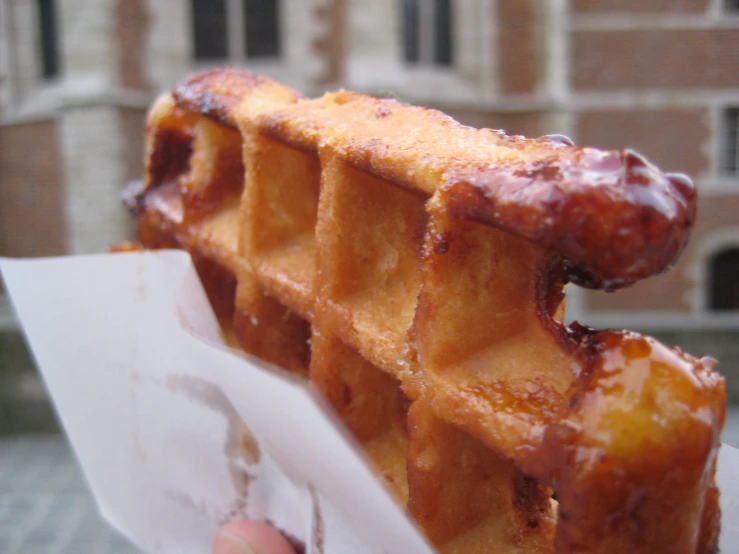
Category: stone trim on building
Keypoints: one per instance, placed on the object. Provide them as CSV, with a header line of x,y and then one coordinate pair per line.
x,y
301,65
375,65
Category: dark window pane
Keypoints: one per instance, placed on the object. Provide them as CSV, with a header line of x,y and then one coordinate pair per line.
x,y
262,28
209,29
443,29
48,31
724,293
410,31
732,5
731,140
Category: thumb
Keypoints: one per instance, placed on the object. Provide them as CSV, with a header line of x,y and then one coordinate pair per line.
x,y
250,537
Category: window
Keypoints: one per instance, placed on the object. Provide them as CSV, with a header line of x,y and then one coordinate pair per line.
x,y
427,32
262,29
731,6
209,21
48,35
235,30
724,280
730,143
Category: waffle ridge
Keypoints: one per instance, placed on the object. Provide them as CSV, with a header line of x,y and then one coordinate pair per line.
x,y
413,269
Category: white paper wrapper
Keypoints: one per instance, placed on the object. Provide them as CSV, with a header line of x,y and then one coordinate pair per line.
x,y
154,405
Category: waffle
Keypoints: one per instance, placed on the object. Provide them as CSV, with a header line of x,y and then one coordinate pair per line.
x,y
413,269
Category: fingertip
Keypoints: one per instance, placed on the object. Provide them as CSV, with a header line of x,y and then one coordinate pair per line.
x,y
250,537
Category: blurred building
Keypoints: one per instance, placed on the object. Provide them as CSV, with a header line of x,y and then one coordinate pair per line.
x,y
660,76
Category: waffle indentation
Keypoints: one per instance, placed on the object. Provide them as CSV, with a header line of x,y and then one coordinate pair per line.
x,y
371,233
280,208
369,402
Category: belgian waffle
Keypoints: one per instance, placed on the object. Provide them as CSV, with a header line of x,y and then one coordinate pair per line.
x,y
413,269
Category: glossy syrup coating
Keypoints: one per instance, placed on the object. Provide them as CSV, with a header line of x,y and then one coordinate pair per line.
x,y
632,462
614,217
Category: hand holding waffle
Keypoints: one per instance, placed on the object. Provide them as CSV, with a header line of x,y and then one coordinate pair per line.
x,y
249,537
414,270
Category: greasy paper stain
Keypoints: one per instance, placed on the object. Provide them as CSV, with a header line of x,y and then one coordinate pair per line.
x,y
318,529
241,448
183,320
188,501
240,443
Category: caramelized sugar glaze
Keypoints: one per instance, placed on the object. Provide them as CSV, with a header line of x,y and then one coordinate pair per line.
x,y
414,270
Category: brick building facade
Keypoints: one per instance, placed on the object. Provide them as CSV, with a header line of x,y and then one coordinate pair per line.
x,y
660,76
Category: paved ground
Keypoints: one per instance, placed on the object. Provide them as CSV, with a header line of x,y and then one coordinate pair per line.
x,y
45,507
44,504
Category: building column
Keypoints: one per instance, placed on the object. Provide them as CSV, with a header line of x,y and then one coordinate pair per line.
x,y
557,65
93,149
169,42
19,56
556,18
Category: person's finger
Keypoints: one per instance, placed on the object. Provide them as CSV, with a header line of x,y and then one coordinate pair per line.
x,y
250,537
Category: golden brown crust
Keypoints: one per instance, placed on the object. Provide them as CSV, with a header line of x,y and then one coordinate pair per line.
x,y
560,196
215,93
642,431
414,268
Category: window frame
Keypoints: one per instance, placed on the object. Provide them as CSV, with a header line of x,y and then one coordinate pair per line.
x,y
381,69
424,47
236,37
698,270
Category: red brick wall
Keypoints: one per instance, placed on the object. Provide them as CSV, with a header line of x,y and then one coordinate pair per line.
x,y
639,6
687,58
529,124
673,139
665,292
332,46
31,195
714,212
517,46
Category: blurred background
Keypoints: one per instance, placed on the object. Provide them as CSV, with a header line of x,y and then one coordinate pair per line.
x,y
77,76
